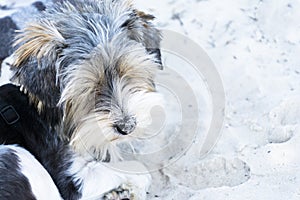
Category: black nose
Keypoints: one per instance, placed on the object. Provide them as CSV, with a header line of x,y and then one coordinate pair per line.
x,y
126,125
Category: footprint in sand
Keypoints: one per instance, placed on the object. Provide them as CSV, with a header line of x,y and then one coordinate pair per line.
x,y
284,119
214,172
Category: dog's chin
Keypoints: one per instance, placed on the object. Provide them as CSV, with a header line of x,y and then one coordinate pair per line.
x,y
101,143
93,141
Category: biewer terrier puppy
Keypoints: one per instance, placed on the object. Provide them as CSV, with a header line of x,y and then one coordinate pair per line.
x,y
89,67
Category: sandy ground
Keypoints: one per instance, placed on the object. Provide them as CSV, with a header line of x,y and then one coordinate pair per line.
x,y
254,45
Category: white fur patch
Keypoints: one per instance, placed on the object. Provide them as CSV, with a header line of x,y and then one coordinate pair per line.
x,y
41,183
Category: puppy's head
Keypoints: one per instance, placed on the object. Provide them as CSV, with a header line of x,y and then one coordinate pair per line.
x,y
96,61
108,98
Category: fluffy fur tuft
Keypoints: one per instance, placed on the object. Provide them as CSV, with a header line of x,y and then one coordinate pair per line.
x,y
40,40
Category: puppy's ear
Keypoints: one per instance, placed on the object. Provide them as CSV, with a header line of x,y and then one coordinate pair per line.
x,y
142,30
151,35
40,41
38,47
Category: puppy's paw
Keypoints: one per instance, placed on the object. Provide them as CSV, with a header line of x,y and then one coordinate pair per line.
x,y
124,192
136,184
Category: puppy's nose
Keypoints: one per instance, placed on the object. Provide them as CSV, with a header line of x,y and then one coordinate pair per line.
x,y
126,125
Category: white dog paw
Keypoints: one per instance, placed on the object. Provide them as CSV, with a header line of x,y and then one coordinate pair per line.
x,y
136,182
124,192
